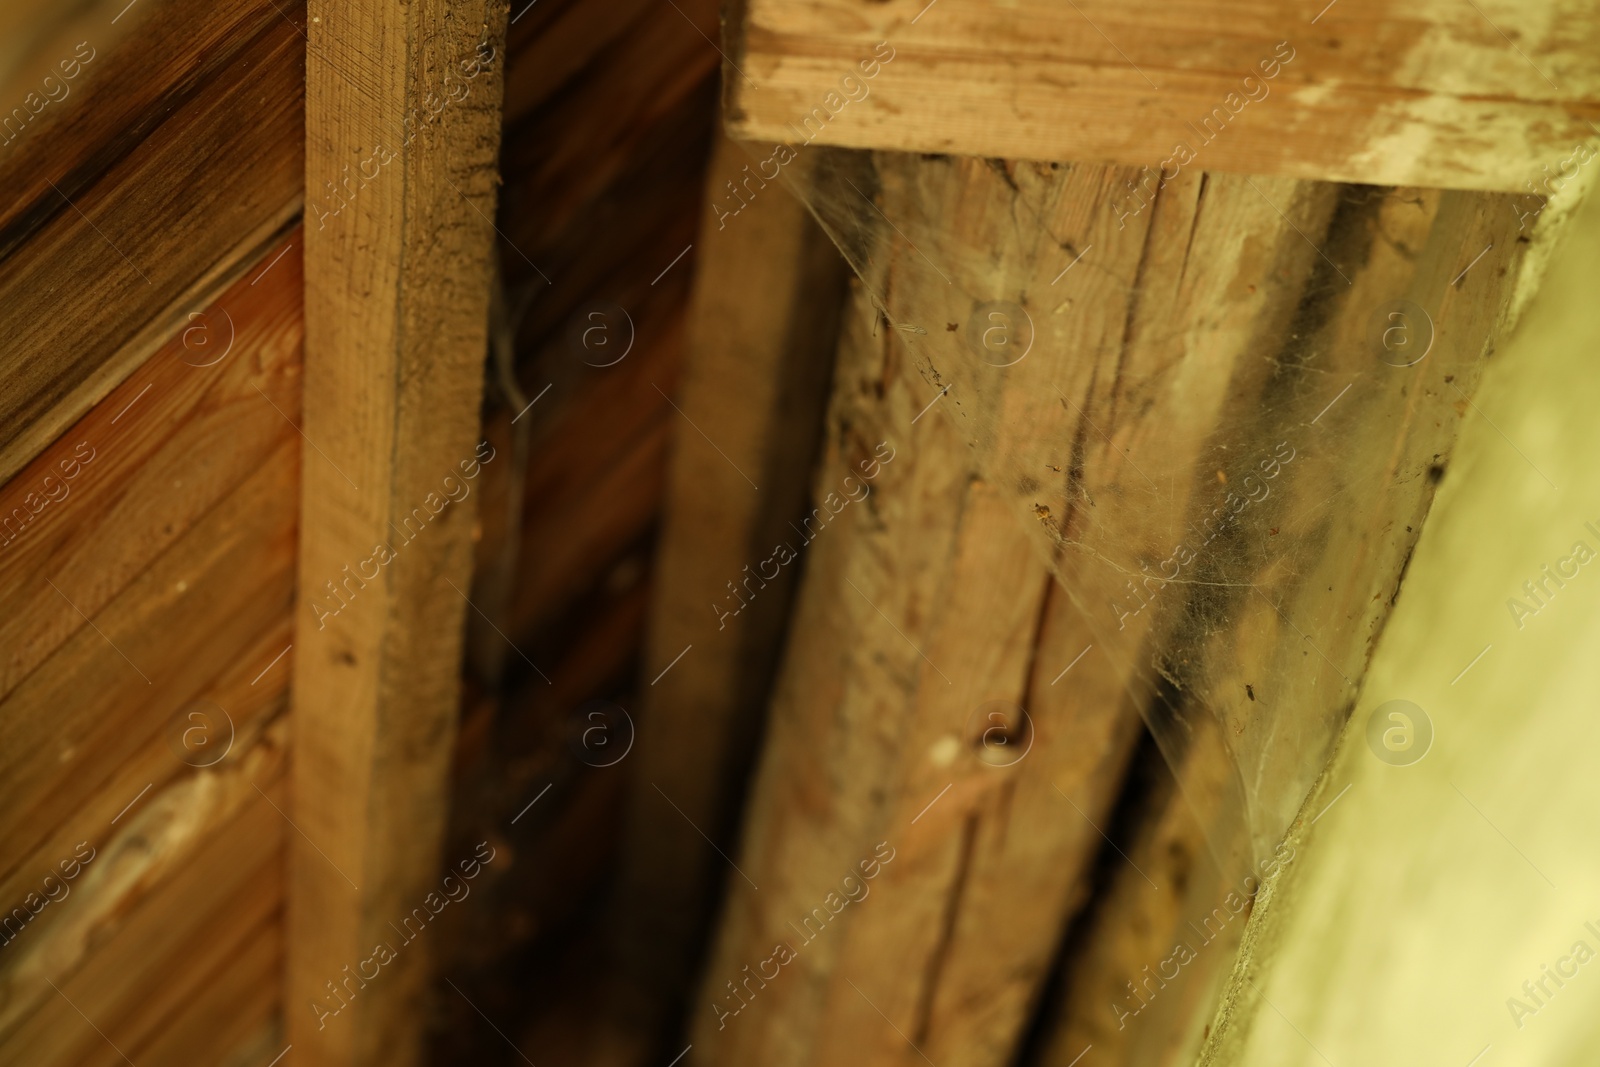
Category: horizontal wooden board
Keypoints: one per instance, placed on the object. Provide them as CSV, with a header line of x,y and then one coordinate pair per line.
x,y
1472,95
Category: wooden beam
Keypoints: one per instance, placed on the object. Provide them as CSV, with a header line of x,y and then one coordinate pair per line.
x,y
1320,948
402,132
1229,364
1225,324
924,611
1472,96
1163,879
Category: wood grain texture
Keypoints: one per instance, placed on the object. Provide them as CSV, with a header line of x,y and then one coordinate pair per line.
x,y
403,127
1124,988
102,269
151,550
1212,330
604,169
922,611
188,969
193,422
1472,96
1163,375
175,540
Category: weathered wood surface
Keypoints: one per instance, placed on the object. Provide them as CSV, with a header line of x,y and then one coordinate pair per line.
x,y
1225,324
1178,379
923,604
102,269
171,552
402,132
1475,95
1418,848
193,964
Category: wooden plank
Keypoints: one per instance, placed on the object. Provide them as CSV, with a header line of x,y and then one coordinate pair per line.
x,y
1322,261
113,86
398,275
181,564
1032,846
105,763
1471,96
919,610
622,105
236,1009
146,822
150,258
569,581
147,524
1321,949
569,43
148,562
224,388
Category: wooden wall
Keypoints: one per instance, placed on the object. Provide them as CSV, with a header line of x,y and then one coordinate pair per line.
x,y
152,346
145,690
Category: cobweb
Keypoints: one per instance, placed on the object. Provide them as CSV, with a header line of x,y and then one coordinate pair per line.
x,y
1220,405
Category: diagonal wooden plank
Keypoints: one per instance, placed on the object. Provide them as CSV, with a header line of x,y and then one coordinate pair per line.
x,y
925,611
101,263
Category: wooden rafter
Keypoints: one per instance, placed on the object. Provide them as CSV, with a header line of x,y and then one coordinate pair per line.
x,y
402,132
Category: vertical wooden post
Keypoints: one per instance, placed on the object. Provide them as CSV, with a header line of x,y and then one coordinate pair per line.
x,y
402,132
